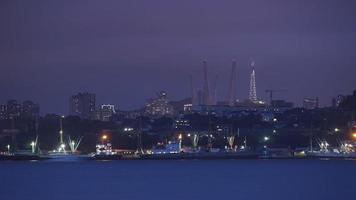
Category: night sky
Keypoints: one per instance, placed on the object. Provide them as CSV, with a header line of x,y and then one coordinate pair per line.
x,y
125,51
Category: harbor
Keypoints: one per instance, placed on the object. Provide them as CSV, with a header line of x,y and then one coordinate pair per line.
x,y
174,150
177,100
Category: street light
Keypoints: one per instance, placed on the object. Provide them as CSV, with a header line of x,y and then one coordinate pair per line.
x,y
266,138
180,142
104,138
336,130
33,144
180,136
8,148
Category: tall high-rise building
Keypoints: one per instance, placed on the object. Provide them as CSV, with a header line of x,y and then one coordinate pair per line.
x,y
13,109
106,112
252,92
30,110
337,101
159,106
82,105
3,114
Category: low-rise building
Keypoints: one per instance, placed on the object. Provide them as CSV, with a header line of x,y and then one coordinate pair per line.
x,y
311,103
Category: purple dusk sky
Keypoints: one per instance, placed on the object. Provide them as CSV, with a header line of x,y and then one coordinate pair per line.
x,y
125,51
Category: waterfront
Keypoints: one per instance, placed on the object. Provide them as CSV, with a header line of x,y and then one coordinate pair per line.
x,y
179,179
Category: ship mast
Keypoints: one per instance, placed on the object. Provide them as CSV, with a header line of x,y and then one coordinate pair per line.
x,y
61,142
311,136
139,137
61,130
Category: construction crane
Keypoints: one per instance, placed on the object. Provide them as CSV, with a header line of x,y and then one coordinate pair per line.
x,y
271,92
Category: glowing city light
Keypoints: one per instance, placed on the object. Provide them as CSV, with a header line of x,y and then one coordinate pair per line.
x,y
33,144
104,137
128,129
354,135
266,138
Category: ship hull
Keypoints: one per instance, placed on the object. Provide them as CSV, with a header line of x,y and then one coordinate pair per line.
x,y
64,157
21,157
332,155
201,156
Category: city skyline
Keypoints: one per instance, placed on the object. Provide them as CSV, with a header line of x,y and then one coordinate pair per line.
x,y
203,99
125,52
201,86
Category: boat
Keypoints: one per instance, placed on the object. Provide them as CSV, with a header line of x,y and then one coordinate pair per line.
x,y
276,153
23,155
104,152
61,153
345,150
202,156
173,151
20,157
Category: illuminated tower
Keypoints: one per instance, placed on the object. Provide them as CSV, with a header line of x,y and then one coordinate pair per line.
x,y
253,93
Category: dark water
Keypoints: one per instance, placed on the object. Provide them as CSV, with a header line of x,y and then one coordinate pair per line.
x,y
229,179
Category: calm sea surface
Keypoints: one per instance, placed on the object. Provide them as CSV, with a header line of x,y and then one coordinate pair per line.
x,y
220,179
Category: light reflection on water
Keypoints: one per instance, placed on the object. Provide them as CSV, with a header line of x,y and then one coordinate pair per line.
x,y
193,179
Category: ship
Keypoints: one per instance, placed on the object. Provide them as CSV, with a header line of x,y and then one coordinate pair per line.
x,y
104,151
173,151
276,153
61,153
23,155
346,150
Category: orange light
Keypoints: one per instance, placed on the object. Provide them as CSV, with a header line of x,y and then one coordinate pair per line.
x,y
180,136
104,137
354,135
